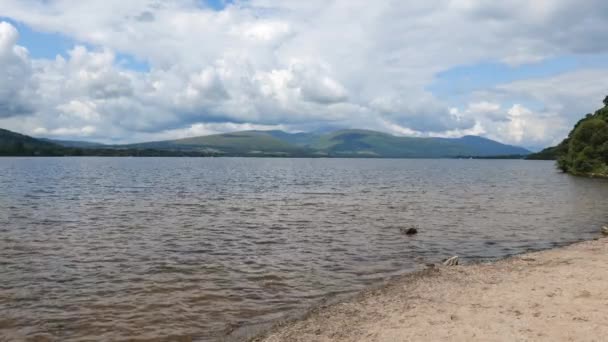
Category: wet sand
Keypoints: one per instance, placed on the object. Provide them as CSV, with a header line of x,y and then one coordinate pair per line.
x,y
553,295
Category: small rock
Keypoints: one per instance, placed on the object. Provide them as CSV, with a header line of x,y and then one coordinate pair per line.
x,y
409,231
605,230
453,261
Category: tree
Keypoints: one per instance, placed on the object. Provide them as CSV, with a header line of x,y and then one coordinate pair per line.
x,y
585,151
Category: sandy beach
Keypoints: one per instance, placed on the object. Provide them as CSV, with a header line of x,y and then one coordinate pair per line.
x,y
553,295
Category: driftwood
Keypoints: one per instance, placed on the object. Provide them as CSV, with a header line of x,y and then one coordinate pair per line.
x,y
453,261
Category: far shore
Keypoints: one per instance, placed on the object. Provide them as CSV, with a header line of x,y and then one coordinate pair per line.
x,y
553,295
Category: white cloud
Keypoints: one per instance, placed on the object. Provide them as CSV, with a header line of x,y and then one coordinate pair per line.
x,y
297,65
15,74
542,110
85,131
524,123
83,110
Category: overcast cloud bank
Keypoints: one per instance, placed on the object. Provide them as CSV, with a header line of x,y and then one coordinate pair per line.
x,y
298,66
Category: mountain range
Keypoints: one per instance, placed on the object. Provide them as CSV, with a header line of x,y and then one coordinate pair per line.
x,y
349,143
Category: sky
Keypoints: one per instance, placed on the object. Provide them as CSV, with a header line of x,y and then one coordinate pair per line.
x,y
116,71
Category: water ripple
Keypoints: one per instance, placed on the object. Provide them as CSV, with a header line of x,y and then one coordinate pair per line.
x,y
187,248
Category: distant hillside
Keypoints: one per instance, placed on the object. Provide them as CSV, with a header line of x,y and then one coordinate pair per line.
x,y
366,143
15,144
351,143
549,153
343,143
299,139
585,150
246,143
486,147
74,143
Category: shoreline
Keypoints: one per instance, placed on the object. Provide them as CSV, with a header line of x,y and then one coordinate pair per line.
x,y
555,294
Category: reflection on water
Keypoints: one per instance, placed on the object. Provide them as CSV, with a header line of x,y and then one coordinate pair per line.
x,y
111,248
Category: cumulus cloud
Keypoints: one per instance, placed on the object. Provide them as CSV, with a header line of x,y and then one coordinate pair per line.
x,y
296,65
423,114
15,74
538,112
516,124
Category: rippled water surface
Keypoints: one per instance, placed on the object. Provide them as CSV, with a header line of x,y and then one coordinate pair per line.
x,y
144,248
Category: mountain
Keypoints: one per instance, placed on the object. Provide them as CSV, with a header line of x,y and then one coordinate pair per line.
x,y
365,143
245,143
585,150
74,143
15,144
343,143
350,143
299,139
485,147
549,153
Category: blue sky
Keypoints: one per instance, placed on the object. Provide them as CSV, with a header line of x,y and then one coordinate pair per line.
x,y
41,44
458,82
454,83
217,5
49,45
192,68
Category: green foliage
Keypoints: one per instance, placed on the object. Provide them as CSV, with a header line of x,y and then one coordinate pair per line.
x,y
550,153
585,151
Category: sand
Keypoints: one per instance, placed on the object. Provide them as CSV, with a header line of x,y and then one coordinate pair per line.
x,y
554,295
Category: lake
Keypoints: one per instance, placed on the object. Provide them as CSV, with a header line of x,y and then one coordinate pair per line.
x,y
180,248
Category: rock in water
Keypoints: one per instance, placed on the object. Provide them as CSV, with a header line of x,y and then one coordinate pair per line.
x,y
409,231
453,261
605,230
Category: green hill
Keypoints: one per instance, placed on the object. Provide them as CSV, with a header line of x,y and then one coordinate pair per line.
x,y
343,143
298,139
351,143
585,150
549,153
246,143
484,147
74,143
15,144
365,143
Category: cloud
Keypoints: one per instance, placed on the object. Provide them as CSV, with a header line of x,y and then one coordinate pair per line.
x,y
424,114
85,131
315,85
516,124
538,112
298,65
145,16
94,74
15,74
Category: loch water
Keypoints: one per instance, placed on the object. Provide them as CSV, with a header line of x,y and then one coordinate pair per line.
x,y
193,248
